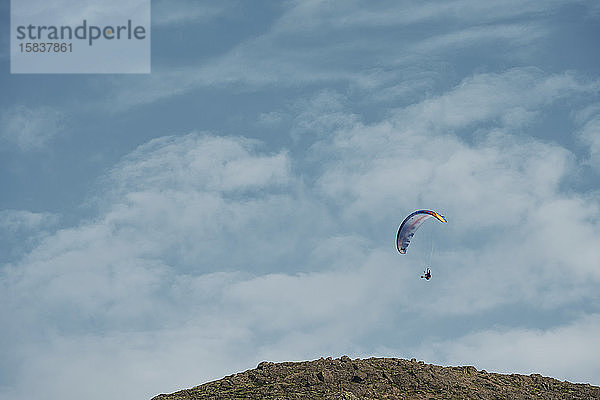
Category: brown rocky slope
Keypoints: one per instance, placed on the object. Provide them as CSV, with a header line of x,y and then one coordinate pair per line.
x,y
380,378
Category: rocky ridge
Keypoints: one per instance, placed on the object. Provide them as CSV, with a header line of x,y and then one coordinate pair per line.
x,y
380,378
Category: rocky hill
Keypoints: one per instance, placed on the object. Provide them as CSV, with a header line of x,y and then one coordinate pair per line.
x,y
380,378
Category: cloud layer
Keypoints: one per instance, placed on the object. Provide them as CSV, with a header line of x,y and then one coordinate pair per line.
x,y
409,40
212,248
30,129
271,236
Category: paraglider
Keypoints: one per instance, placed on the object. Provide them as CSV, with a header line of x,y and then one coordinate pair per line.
x,y
408,228
426,274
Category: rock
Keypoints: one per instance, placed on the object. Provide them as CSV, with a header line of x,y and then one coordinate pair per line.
x,y
264,364
345,359
325,376
359,377
388,378
469,369
312,379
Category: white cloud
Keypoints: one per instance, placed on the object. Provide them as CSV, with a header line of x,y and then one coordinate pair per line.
x,y
209,325
20,230
565,352
30,129
211,248
502,192
12,221
293,52
512,97
201,200
180,209
589,133
315,15
515,35
202,163
320,115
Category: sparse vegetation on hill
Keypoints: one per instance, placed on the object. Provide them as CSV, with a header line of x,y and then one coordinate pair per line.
x,y
380,378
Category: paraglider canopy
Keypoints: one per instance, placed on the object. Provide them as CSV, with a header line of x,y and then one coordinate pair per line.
x,y
410,225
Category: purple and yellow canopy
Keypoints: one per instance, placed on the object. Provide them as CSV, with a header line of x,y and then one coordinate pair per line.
x,y
410,225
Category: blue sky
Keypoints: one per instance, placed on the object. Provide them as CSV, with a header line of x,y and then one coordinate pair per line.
x,y
240,203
